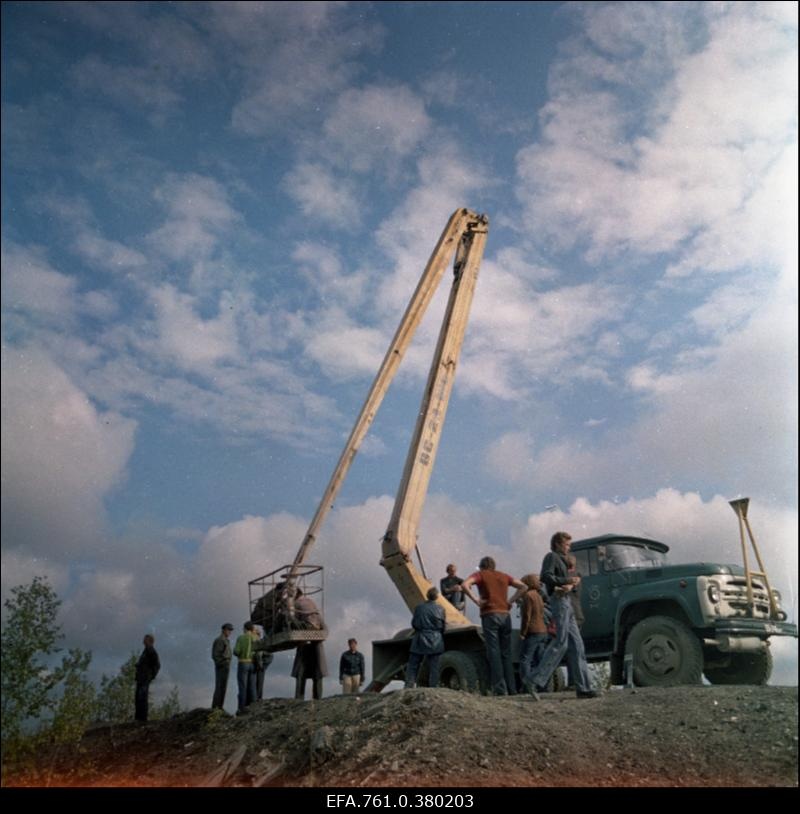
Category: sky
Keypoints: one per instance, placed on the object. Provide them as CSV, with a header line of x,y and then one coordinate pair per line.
x,y
214,215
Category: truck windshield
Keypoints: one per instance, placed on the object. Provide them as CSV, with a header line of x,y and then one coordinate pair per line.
x,y
617,557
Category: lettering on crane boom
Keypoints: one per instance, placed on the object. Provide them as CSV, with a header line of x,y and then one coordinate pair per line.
x,y
433,423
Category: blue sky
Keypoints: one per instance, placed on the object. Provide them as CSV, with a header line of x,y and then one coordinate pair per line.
x,y
215,213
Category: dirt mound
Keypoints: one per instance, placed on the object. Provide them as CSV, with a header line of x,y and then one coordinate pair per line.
x,y
685,736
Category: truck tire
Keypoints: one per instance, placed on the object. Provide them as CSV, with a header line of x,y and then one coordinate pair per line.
x,y
459,671
665,653
557,682
744,668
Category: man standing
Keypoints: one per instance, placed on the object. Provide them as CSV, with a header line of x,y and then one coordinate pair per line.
x,y
559,583
577,609
309,658
245,674
351,668
147,668
450,586
221,656
428,623
261,660
496,621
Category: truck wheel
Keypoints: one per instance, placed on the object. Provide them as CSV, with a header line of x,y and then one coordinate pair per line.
x,y
665,653
744,668
557,682
459,671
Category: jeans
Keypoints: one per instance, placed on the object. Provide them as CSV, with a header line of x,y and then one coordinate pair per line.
x,y
567,640
414,662
497,635
220,685
246,679
530,654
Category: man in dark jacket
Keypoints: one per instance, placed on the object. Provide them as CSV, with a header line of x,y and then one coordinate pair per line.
x,y
146,670
309,658
429,624
221,656
351,668
556,577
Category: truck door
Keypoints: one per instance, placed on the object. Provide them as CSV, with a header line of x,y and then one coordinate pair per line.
x,y
598,600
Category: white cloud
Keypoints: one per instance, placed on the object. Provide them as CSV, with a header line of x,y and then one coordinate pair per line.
x,y
20,568
61,457
103,600
347,351
704,421
529,333
294,58
374,126
108,254
721,119
199,215
510,457
232,555
32,286
145,87
194,342
725,415
99,304
155,54
242,390
448,180
762,232
165,43
320,194
322,269
338,336
75,216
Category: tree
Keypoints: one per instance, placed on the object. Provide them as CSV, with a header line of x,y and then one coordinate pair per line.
x,y
36,689
76,705
115,698
170,706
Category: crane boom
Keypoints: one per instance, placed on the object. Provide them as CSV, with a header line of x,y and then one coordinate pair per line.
x,y
401,536
462,225
465,237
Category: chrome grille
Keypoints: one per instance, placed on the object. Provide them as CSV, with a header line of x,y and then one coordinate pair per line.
x,y
734,597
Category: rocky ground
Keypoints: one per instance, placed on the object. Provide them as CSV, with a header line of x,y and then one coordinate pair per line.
x,y
684,736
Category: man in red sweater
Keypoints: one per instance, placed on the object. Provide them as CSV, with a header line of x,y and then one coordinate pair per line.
x,y
495,610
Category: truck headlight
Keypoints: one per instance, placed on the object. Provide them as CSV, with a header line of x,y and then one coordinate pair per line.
x,y
713,592
776,595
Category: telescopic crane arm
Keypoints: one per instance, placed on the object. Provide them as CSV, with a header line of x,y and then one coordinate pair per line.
x,y
465,236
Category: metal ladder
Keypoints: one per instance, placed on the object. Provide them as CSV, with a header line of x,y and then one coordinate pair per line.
x,y
740,508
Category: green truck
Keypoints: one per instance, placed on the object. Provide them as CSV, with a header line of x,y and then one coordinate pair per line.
x,y
672,624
